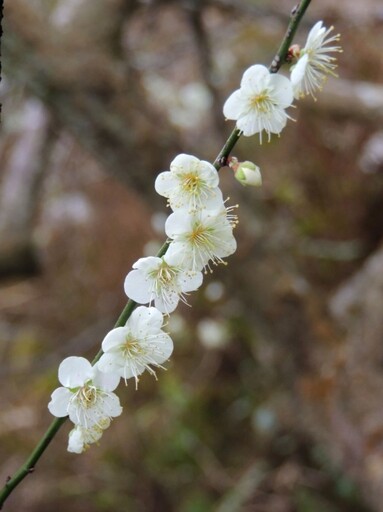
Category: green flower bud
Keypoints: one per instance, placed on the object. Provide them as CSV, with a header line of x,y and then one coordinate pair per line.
x,y
248,173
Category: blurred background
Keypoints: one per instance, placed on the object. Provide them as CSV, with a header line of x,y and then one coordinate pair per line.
x,y
272,401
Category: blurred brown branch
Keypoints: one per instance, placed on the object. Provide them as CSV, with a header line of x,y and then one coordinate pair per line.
x,y
21,191
89,90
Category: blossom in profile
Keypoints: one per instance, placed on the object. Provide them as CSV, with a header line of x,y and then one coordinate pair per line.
x,y
80,437
162,281
138,346
191,183
315,61
86,394
201,237
260,102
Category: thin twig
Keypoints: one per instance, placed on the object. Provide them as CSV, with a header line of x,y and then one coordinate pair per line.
x,y
29,466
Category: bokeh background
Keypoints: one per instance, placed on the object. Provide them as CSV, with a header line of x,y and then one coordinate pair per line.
x,y
272,401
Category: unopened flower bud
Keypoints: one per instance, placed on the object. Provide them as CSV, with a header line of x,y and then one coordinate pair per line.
x,y
293,54
246,172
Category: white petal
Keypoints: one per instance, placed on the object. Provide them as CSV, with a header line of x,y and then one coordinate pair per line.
x,y
255,79
250,124
190,260
114,339
145,320
228,248
111,406
79,416
234,105
148,264
166,349
137,287
184,162
277,123
316,32
127,373
215,199
168,306
298,70
189,203
81,437
111,362
298,73
209,173
180,252
179,222
282,90
75,371
165,183
190,281
58,406
76,441
173,259
107,381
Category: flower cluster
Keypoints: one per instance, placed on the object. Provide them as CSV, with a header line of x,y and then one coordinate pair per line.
x,y
261,101
200,235
87,397
200,232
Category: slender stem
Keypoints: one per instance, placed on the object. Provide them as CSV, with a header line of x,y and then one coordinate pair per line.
x,y
29,465
296,16
221,160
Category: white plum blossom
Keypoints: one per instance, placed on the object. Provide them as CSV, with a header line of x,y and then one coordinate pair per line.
x,y
314,64
200,237
86,396
260,103
190,183
137,346
80,437
162,281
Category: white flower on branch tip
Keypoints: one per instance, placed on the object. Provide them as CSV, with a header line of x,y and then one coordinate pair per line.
x,y
201,237
137,346
80,437
314,64
86,396
190,183
260,103
162,281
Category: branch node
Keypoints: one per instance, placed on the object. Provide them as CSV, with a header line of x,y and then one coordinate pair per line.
x,y
294,10
275,65
223,161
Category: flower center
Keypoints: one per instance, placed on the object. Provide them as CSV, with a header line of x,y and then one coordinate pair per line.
x,y
262,102
164,274
191,183
199,235
87,395
131,348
